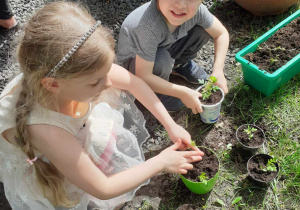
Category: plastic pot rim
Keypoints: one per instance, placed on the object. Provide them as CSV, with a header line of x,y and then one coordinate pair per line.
x,y
212,105
270,157
264,137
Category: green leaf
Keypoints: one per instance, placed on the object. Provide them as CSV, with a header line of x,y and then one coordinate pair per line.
x,y
201,81
237,199
193,143
229,146
213,79
220,202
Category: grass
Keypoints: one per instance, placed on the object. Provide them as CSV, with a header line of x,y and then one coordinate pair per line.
x,y
280,114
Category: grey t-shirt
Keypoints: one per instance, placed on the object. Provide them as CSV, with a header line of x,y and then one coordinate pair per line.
x,y
145,30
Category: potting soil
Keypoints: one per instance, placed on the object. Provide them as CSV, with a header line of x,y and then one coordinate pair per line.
x,y
214,98
280,48
257,173
209,165
255,141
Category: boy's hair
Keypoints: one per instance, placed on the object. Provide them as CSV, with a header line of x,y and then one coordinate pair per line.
x,y
49,35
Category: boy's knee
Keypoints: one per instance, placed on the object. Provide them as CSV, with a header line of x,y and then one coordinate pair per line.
x,y
129,65
163,64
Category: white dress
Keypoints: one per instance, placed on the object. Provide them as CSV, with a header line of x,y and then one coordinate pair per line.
x,y
111,133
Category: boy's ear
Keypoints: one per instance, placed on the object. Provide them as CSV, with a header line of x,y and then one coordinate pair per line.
x,y
51,84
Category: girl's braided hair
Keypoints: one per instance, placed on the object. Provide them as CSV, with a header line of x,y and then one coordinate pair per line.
x,y
48,36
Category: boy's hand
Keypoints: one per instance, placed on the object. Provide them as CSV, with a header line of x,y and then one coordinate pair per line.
x,y
222,82
178,161
190,98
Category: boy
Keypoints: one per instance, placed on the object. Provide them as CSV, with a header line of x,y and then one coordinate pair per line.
x,y
162,37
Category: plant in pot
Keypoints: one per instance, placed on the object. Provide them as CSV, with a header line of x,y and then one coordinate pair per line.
x,y
212,97
274,58
204,175
249,138
262,169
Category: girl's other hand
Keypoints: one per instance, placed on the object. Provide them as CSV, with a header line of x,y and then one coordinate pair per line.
x,y
177,132
178,161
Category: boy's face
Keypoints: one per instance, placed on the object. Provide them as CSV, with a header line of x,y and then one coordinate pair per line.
x,y
177,12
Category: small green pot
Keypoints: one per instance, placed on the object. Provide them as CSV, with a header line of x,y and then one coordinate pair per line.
x,y
200,187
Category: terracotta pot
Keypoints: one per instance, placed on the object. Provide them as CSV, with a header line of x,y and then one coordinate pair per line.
x,y
266,7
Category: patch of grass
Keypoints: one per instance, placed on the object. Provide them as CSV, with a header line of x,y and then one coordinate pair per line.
x,y
279,116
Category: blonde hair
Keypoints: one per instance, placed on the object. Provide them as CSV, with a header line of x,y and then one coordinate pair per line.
x,y
48,36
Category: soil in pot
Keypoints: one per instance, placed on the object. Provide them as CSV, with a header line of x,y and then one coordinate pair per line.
x,y
257,139
209,165
214,98
255,165
280,48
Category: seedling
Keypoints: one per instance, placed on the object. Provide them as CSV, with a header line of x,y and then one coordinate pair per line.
x,y
203,178
250,131
270,166
273,60
193,143
278,48
209,87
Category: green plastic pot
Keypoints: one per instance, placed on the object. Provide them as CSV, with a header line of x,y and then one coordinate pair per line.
x,y
200,187
261,80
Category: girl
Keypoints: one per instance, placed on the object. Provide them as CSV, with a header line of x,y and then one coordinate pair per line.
x,y
52,145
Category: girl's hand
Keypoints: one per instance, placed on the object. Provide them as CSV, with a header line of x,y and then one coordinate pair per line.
x,y
190,98
178,161
176,132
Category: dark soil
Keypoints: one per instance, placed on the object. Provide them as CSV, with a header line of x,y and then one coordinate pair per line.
x,y
214,98
209,165
3,202
257,173
188,207
280,48
256,141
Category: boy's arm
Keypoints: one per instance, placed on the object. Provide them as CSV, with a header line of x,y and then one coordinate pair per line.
x,y
144,70
221,42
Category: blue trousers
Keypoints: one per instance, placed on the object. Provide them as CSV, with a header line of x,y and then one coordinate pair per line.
x,y
5,10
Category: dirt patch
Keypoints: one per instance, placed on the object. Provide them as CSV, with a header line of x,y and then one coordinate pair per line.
x,y
256,166
257,136
209,165
188,207
280,48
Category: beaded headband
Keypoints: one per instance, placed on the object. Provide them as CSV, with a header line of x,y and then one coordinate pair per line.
x,y
74,49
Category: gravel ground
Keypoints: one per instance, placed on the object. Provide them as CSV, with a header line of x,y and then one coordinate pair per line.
x,y
111,13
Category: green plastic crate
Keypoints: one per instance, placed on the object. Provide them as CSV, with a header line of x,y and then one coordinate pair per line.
x,y
261,80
